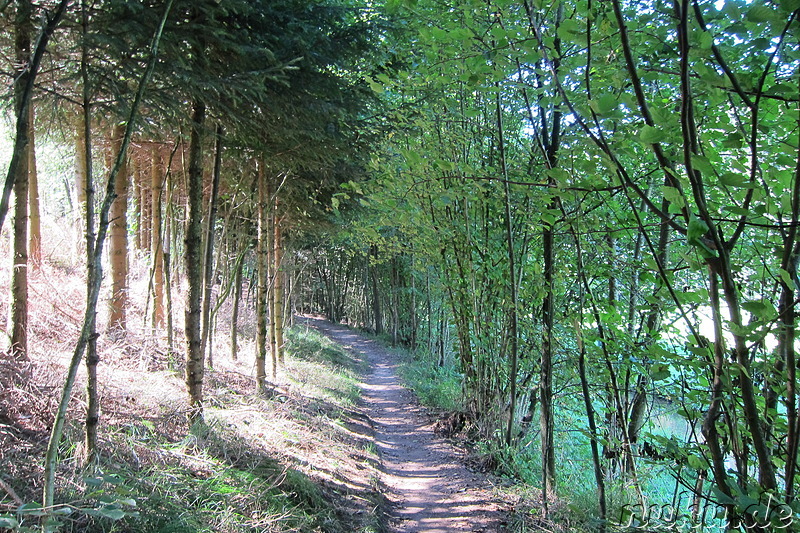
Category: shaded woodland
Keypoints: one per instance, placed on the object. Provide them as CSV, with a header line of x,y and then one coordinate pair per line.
x,y
579,217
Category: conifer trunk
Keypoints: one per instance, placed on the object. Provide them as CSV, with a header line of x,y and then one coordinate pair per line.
x,y
146,209
35,219
157,191
262,274
118,242
85,184
139,190
208,256
19,177
80,185
19,275
273,336
193,263
277,295
27,63
237,298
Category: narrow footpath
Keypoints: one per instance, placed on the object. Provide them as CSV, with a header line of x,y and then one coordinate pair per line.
x,y
429,488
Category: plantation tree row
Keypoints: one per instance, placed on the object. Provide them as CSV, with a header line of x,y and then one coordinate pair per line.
x,y
206,135
590,210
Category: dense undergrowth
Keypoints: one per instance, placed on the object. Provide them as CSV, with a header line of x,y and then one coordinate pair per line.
x,y
299,459
575,508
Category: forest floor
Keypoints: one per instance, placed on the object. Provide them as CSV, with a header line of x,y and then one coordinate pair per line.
x,y
430,488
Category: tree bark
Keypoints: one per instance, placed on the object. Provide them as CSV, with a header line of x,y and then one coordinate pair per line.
x,y
237,298
118,243
19,276
270,288
157,250
262,272
139,191
35,219
277,293
166,242
193,264
19,178
208,256
376,297
24,77
80,185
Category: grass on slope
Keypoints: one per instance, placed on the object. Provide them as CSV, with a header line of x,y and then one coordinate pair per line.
x,y
300,460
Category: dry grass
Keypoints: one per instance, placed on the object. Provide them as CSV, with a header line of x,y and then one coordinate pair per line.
x,y
301,460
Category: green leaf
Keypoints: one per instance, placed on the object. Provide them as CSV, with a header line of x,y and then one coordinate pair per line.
x,y
697,228
734,140
674,197
786,278
8,522
733,179
697,462
736,210
721,498
760,308
93,481
113,513
560,175
790,5
32,508
659,372
702,164
570,26
651,135
760,13
376,87
706,40
604,104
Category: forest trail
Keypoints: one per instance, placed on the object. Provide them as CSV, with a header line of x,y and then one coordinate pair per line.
x,y
429,488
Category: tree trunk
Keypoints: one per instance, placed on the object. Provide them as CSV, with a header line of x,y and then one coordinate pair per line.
x,y
93,272
166,242
395,302
193,265
277,293
262,270
85,185
270,289
27,66
376,297
80,185
512,284
208,256
19,276
237,298
157,191
118,243
139,191
19,177
35,219
146,227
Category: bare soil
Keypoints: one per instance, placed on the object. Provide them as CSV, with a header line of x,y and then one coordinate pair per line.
x,y
428,485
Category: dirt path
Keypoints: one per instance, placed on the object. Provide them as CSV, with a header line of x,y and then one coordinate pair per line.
x,y
430,489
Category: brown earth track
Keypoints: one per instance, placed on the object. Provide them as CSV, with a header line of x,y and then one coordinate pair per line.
x,y
429,488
